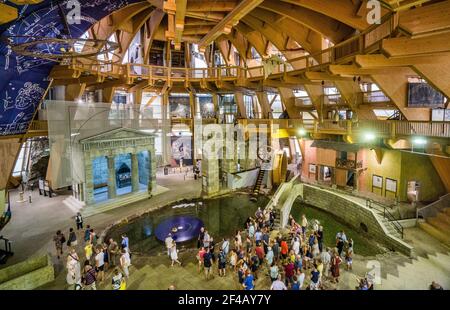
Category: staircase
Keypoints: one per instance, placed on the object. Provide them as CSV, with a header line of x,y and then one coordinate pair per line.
x,y
418,273
435,219
258,184
74,204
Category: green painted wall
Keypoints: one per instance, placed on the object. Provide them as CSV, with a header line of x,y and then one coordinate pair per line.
x,y
390,167
416,167
403,167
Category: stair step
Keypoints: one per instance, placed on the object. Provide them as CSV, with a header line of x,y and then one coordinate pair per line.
x,y
444,217
434,232
439,224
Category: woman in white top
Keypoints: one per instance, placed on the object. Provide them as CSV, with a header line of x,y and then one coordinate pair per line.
x,y
125,262
174,254
296,246
73,268
315,249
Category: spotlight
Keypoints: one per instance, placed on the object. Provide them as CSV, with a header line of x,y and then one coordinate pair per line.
x,y
369,136
302,132
419,141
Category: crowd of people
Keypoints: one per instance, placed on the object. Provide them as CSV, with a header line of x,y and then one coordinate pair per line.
x,y
87,270
290,259
256,251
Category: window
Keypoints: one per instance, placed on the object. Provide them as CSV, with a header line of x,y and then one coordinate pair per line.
x,y
227,108
22,160
277,106
248,102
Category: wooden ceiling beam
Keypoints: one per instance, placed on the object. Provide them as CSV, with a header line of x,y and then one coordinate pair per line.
x,y
230,20
179,22
405,46
211,6
330,28
151,28
310,40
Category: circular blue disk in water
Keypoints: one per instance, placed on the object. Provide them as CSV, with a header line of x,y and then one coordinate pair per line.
x,y
182,228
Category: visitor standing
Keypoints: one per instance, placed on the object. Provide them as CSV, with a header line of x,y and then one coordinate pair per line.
x,y
207,263
169,243
284,249
226,246
87,233
349,255
304,224
79,221
59,240
72,238
106,256
100,263
93,237
200,238
174,254
269,256
88,249
222,263
326,259
289,272
200,256
206,239
273,272
233,260
125,262
300,278
320,237
113,250
117,279
249,281
238,240
276,251
296,245
314,279
73,269
335,262
278,285
89,277
125,242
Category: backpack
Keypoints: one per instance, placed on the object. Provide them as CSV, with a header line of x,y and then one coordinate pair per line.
x,y
222,258
63,239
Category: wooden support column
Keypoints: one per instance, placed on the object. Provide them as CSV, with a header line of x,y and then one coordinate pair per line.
x,y
395,86
349,90
75,91
288,99
315,93
239,98
264,104
108,94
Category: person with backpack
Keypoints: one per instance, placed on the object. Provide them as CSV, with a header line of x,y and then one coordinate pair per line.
x,y
87,233
72,239
222,263
59,240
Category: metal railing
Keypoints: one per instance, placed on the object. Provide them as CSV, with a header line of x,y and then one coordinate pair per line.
x,y
384,210
434,208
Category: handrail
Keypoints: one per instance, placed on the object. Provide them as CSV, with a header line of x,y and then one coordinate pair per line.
x,y
433,208
360,43
372,204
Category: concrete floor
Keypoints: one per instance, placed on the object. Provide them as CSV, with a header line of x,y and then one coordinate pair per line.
x,y
33,225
